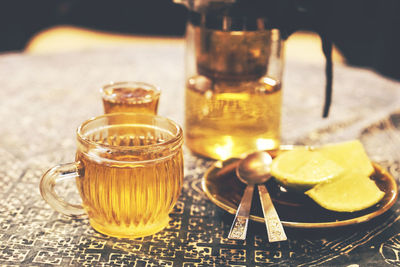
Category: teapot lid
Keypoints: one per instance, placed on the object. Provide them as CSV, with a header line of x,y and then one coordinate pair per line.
x,y
244,14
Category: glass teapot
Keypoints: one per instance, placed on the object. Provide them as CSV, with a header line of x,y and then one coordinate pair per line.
x,y
234,67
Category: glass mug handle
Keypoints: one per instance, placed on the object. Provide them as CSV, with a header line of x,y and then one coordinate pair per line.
x,y
50,179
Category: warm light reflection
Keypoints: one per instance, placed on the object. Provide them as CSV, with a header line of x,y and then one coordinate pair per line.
x,y
266,144
269,81
225,151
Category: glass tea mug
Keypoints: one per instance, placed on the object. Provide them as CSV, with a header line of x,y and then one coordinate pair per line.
x,y
234,67
128,171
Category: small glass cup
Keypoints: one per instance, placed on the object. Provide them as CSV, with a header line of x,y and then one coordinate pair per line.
x,y
129,173
135,97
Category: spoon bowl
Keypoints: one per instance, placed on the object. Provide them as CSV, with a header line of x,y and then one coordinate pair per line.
x,y
255,168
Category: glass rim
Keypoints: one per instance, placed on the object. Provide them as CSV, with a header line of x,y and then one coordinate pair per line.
x,y
175,141
129,84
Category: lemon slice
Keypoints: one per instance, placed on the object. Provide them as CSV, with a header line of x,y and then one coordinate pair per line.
x,y
300,169
350,155
352,191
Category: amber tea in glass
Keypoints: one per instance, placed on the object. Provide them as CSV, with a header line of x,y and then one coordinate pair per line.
x,y
136,97
129,175
233,86
233,118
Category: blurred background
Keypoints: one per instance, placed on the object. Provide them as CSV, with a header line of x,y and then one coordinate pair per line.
x,y
365,33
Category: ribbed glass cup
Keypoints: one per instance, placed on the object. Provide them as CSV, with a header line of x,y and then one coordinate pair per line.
x,y
129,172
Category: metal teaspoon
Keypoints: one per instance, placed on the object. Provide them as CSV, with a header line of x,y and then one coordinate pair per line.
x,y
252,170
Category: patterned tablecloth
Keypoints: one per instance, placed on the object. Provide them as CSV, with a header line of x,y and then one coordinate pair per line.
x,y
45,97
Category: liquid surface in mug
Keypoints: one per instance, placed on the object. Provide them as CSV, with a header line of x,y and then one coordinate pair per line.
x,y
129,198
226,119
138,100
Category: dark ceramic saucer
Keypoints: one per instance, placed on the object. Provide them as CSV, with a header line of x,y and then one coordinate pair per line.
x,y
295,210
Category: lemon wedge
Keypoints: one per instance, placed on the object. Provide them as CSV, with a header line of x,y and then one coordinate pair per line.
x,y
335,176
300,169
352,191
350,155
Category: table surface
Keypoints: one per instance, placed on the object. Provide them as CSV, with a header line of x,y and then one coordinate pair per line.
x,y
45,97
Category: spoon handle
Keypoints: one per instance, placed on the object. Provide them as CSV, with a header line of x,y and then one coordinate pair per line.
x,y
275,229
239,226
